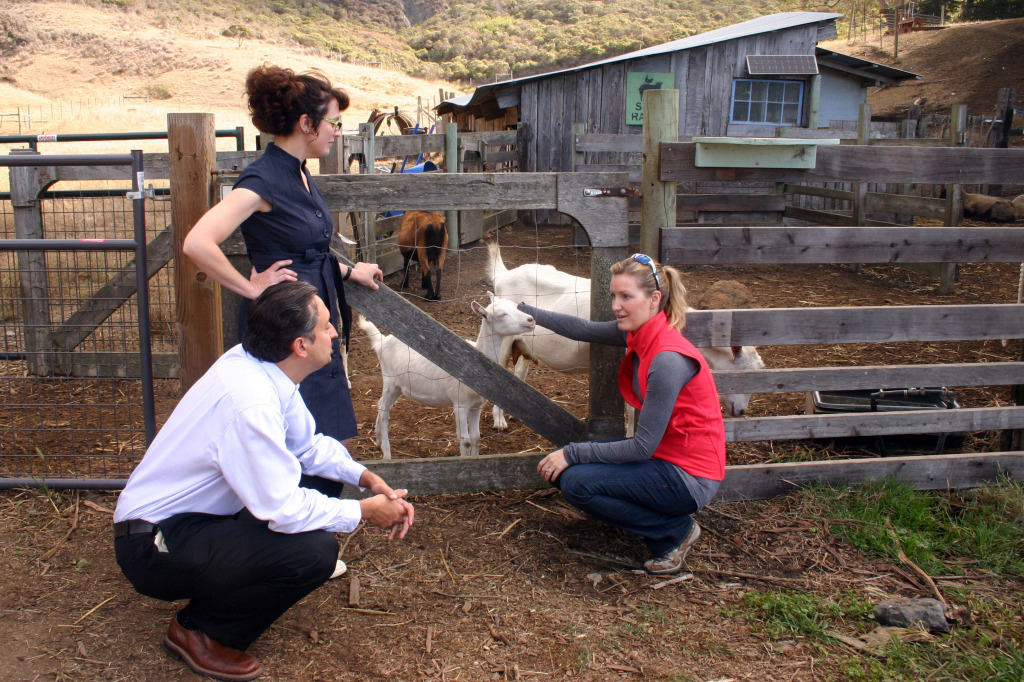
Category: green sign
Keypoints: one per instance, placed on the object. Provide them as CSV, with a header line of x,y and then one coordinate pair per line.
x,y
636,84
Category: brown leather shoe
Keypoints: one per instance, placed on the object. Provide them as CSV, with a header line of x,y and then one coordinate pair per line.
x,y
209,657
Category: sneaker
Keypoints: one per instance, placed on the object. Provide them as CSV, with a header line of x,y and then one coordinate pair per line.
x,y
673,561
339,570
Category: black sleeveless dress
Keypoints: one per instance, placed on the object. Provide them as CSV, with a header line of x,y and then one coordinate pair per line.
x,y
299,228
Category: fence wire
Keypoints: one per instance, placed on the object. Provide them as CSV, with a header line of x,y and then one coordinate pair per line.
x,y
70,373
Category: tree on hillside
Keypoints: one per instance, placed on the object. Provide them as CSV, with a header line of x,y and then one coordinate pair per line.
x,y
983,10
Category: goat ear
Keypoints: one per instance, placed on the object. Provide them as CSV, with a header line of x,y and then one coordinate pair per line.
x,y
737,351
479,309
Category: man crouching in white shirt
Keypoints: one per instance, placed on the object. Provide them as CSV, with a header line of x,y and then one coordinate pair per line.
x,y
214,512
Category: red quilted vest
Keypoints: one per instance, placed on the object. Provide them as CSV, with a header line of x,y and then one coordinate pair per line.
x,y
695,437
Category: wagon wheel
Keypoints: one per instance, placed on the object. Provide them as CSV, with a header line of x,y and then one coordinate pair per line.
x,y
390,123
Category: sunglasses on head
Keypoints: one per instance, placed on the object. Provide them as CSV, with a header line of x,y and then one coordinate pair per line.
x,y
644,259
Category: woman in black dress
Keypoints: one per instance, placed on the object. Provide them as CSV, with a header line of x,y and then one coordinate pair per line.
x,y
287,226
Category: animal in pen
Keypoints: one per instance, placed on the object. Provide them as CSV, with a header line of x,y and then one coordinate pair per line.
x,y
995,209
728,294
541,286
424,234
407,373
545,287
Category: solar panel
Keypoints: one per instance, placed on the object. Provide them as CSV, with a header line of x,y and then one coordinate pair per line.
x,y
781,64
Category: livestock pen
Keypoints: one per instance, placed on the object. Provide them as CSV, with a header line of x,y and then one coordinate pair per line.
x,y
598,203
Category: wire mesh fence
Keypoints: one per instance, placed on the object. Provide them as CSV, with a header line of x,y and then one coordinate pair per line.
x,y
73,362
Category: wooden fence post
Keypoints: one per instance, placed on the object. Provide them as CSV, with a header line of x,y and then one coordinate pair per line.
x,y
954,197
658,208
860,188
27,183
333,164
579,237
368,235
1001,133
451,165
193,159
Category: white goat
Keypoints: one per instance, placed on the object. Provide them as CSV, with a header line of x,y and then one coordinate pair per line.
x,y
545,287
407,373
541,286
730,294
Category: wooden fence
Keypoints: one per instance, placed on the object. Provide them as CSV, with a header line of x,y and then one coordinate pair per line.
x,y
603,215
488,152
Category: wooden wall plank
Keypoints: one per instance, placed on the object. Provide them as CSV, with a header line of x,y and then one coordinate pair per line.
x,y
689,246
935,472
842,163
790,380
849,424
457,475
867,324
438,191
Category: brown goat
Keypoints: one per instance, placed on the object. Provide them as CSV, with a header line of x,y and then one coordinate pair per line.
x,y
426,234
984,207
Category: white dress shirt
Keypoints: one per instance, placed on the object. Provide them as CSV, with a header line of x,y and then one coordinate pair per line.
x,y
241,437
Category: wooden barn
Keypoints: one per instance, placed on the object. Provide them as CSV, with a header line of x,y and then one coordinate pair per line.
x,y
746,79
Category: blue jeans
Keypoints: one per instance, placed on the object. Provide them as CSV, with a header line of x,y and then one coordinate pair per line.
x,y
647,498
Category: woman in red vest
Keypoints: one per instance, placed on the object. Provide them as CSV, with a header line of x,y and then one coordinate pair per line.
x,y
650,484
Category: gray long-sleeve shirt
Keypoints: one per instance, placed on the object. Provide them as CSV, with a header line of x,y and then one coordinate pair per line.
x,y
668,374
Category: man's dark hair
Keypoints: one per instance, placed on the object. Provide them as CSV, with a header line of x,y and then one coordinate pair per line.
x,y
282,313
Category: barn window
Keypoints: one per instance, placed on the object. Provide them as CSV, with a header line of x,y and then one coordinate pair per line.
x,y
767,101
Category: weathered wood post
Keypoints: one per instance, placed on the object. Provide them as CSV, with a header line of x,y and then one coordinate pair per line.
x,y
451,165
368,235
860,189
658,210
1005,102
27,183
954,196
193,158
579,236
333,164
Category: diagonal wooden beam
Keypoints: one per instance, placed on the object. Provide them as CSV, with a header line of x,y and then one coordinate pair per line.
x,y
113,294
448,351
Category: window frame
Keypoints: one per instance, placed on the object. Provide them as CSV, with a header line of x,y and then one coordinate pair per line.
x,y
800,84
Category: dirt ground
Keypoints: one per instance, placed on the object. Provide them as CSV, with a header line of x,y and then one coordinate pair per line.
x,y
511,585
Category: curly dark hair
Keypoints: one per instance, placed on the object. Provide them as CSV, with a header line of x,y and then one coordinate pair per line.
x,y
278,97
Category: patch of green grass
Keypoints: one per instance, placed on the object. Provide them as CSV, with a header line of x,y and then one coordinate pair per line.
x,y
983,525
785,614
961,656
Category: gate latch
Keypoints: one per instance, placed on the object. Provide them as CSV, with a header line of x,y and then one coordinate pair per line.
x,y
611,192
146,193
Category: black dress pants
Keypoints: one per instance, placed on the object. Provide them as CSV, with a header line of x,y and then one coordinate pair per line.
x,y
239,575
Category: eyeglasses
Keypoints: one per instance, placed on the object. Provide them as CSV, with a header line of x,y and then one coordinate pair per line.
x,y
644,259
335,122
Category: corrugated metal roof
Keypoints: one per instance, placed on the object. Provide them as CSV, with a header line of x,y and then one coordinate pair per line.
x,y
869,68
772,22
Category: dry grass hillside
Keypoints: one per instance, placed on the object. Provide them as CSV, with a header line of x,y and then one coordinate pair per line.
x,y
960,64
82,61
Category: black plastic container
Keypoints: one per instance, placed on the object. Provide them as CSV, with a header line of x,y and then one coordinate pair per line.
x,y
890,400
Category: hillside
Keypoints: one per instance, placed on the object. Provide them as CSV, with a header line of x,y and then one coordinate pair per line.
x,y
77,63
180,56
960,64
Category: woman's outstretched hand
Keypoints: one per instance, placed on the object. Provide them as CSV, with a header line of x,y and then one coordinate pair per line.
x,y
552,466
